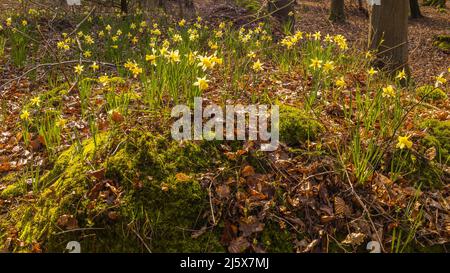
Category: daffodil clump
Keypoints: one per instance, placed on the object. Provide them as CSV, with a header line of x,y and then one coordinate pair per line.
x,y
134,68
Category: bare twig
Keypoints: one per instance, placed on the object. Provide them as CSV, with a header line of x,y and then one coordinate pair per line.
x,y
50,65
82,21
142,241
77,229
210,203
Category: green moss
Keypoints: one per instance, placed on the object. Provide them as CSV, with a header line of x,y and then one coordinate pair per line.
x,y
443,42
296,126
438,133
431,93
8,178
14,186
152,202
430,249
250,5
13,190
276,240
419,169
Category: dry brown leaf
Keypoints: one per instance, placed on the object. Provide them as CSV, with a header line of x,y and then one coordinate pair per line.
x,y
354,239
117,117
98,174
36,144
248,171
164,187
223,191
113,215
94,192
447,227
383,179
238,245
67,221
339,206
182,177
199,232
230,155
258,195
250,226
326,219
311,245
430,153
5,167
36,248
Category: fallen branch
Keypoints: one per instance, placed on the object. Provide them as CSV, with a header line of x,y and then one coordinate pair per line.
x,y
50,65
82,21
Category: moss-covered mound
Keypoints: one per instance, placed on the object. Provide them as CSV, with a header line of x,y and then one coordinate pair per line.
x,y
425,168
129,195
443,42
297,126
250,5
438,136
430,93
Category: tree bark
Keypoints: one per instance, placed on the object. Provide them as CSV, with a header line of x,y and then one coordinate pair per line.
x,y
388,34
124,6
282,11
360,5
162,4
415,9
337,11
186,8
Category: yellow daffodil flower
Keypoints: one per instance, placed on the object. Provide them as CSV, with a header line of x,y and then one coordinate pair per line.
x,y
36,101
372,71
202,83
87,54
401,75
316,63
94,66
25,115
440,80
404,142
328,66
79,69
317,36
388,91
257,66
340,83
174,56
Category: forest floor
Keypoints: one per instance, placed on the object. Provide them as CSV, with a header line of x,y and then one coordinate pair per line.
x,y
86,152
425,59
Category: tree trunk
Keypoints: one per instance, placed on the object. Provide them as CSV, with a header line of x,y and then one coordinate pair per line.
x,y
124,6
189,4
186,8
415,9
189,8
388,34
162,4
360,5
282,11
337,12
